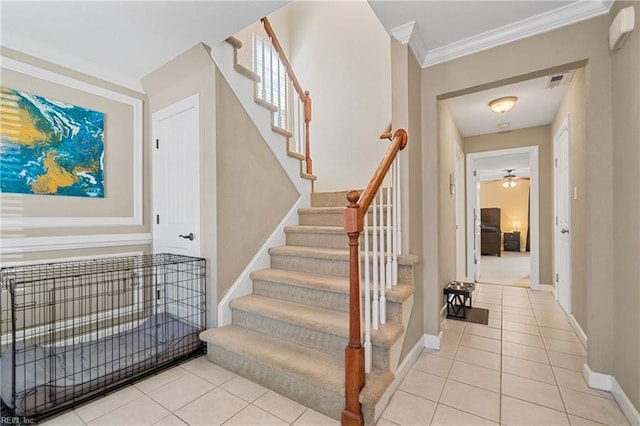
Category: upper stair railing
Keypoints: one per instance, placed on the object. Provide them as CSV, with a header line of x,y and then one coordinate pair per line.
x,y
279,87
380,260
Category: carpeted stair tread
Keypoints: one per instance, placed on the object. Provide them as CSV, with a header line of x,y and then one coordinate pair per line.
x,y
317,368
323,320
398,293
316,229
303,279
297,363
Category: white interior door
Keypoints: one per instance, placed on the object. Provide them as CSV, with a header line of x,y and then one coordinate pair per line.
x,y
459,185
176,179
473,219
562,183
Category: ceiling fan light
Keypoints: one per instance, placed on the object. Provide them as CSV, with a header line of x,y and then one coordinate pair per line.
x,y
509,183
502,105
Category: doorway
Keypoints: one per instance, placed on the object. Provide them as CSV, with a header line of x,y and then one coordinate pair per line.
x,y
475,162
562,214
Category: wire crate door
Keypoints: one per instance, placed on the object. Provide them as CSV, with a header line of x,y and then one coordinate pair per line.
x,y
181,292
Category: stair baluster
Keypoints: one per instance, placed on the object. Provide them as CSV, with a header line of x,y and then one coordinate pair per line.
x,y
383,270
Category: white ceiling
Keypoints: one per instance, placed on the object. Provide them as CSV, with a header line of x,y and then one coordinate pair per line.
x,y
496,167
536,106
122,41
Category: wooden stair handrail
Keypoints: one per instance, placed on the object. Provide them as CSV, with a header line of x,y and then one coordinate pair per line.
x,y
353,225
398,143
302,94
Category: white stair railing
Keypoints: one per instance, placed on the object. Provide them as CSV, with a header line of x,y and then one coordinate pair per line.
x,y
359,352
278,87
380,255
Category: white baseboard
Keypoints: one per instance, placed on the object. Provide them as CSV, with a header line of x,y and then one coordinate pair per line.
x,y
431,341
579,331
625,403
244,285
548,288
607,382
401,373
596,380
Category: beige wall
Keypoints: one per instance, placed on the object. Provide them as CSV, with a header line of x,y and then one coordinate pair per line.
x,y
341,54
535,136
119,164
406,74
254,192
513,204
626,178
448,135
524,59
574,107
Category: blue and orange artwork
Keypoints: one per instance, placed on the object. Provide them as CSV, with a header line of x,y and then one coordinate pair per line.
x,y
48,147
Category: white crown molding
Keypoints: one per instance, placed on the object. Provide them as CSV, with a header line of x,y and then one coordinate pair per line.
x,y
569,14
68,60
21,222
410,33
403,32
418,44
71,242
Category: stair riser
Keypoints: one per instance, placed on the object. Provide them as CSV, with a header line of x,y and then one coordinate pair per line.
x,y
329,199
310,239
324,342
333,199
330,218
339,268
326,240
321,400
319,298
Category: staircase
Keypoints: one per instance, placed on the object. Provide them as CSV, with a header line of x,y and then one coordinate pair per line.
x,y
291,333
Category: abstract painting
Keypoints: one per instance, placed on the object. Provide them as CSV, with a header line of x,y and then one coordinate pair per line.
x,y
48,147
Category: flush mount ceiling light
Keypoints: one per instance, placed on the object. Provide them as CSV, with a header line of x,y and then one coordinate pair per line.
x,y
502,105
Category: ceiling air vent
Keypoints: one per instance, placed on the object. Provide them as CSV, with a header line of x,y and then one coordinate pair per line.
x,y
561,79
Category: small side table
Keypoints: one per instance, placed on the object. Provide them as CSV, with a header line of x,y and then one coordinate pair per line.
x,y
457,294
511,241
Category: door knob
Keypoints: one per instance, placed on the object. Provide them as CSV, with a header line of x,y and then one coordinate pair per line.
x,y
187,237
564,230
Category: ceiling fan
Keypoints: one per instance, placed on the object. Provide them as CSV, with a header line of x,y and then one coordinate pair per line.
x,y
510,180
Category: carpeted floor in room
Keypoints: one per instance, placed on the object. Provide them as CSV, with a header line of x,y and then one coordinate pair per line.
x,y
512,268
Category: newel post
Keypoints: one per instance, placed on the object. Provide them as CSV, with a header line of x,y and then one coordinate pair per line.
x,y
354,352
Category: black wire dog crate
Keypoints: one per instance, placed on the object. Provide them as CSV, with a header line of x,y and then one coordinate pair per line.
x,y
72,331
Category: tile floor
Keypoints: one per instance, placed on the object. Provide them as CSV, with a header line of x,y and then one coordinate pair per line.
x,y
524,368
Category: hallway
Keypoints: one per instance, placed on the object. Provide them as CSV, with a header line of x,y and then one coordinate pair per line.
x,y
523,368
